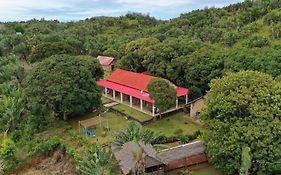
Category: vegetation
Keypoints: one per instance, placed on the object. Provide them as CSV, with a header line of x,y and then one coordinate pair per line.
x,y
135,133
57,84
243,109
51,70
163,92
96,162
176,124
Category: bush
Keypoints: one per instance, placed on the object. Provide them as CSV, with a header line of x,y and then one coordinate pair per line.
x,y
7,148
256,41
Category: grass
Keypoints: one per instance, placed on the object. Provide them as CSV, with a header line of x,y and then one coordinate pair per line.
x,y
201,169
142,117
171,124
105,100
115,124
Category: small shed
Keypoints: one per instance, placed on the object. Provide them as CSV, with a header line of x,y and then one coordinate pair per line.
x,y
184,155
127,158
196,106
107,63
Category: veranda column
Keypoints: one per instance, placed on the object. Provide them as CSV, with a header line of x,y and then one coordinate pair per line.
x,y
186,99
141,106
131,101
105,89
153,110
114,94
121,96
177,102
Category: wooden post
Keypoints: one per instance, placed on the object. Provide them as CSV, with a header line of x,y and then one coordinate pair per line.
x,y
79,125
131,101
186,98
177,102
141,106
121,97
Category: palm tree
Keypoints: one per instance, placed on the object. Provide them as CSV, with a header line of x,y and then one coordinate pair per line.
x,y
135,133
96,162
139,156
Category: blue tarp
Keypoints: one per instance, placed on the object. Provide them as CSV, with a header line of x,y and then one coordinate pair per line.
x,y
89,132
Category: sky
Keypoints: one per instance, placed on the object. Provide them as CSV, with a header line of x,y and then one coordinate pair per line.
x,y
72,10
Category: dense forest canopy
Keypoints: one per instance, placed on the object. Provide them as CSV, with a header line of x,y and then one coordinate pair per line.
x,y
189,50
48,68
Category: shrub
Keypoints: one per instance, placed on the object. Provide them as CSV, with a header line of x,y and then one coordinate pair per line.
x,y
7,148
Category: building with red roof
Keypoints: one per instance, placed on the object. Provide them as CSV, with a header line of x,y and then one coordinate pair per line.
x,y
106,62
130,88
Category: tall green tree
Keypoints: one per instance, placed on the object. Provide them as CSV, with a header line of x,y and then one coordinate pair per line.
x,y
243,108
65,84
163,92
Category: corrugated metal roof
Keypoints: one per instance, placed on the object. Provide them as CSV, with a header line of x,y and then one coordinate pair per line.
x,y
182,151
137,81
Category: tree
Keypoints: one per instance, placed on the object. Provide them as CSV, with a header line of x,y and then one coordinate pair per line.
x,y
47,49
65,84
243,108
135,133
246,161
96,162
11,110
163,92
135,52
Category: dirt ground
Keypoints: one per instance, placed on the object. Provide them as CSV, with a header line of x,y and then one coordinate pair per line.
x,y
53,163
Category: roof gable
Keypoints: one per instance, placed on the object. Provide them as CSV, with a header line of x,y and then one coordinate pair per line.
x,y
131,79
126,158
105,61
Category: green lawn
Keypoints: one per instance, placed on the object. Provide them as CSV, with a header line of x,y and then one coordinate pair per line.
x,y
142,117
201,169
115,124
173,123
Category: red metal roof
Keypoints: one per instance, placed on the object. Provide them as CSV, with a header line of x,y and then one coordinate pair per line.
x,y
132,83
131,79
105,61
181,91
125,90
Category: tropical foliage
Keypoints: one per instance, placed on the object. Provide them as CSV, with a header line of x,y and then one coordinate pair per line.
x,y
243,108
134,132
163,92
96,161
56,83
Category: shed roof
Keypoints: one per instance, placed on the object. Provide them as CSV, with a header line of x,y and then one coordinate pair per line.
x,y
126,158
182,151
105,61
